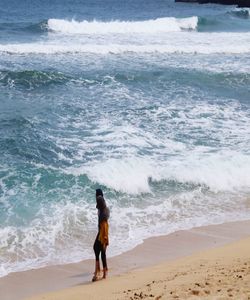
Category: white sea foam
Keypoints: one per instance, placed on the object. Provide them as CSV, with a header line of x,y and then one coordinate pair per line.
x,y
97,27
67,234
220,172
180,42
49,238
126,175
134,156
225,171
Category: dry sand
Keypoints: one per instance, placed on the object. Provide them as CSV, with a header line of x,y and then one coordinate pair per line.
x,y
188,264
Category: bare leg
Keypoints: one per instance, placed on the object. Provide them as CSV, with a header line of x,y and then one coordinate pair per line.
x,y
97,270
97,250
104,262
105,272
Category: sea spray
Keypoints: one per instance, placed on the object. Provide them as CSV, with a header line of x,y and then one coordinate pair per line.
x,y
121,27
169,43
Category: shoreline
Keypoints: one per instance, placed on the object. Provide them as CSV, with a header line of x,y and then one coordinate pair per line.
x,y
218,273
153,251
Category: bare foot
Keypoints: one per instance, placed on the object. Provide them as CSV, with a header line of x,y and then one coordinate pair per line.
x,y
96,276
105,273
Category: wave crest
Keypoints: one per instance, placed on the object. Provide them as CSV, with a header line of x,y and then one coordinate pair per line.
x,y
150,26
138,175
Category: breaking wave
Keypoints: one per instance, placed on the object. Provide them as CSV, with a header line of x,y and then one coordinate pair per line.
x,y
97,27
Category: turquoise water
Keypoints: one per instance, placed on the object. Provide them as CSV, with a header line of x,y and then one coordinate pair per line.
x,y
148,100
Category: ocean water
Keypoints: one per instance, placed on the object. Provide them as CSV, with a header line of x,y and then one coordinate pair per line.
x,y
149,100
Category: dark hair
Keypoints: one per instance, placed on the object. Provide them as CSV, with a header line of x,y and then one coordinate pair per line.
x,y
98,192
103,209
100,203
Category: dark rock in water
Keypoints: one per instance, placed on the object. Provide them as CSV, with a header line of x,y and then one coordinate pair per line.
x,y
240,3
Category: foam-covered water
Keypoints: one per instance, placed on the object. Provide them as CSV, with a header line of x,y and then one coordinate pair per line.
x,y
148,27
147,100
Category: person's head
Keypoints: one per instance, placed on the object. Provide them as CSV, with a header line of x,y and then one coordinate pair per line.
x,y
98,192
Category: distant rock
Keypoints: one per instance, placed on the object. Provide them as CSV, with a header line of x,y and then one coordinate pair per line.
x,y
240,3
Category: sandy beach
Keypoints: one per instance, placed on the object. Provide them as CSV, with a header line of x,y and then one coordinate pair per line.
x,y
211,262
221,273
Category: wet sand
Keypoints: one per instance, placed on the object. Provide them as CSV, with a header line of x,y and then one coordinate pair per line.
x,y
187,264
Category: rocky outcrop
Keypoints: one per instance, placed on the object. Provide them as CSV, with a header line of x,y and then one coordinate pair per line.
x,y
240,3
